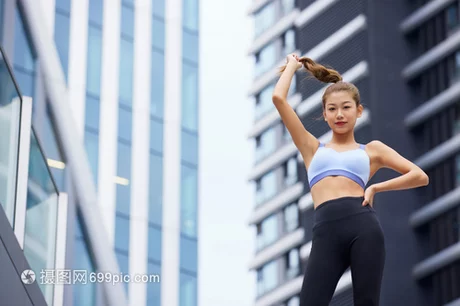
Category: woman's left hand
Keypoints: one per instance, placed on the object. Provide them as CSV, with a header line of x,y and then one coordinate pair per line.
x,y
369,196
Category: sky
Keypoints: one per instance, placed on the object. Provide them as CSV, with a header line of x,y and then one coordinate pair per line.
x,y
226,241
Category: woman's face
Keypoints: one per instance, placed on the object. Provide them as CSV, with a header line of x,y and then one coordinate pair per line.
x,y
340,112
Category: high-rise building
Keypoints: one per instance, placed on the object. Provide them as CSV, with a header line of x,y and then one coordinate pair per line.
x,y
404,58
110,183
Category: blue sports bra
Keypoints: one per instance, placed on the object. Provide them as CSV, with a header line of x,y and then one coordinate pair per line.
x,y
353,164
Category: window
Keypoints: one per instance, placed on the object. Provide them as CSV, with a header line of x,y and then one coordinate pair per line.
x,y
265,144
154,243
156,189
190,46
265,18
190,97
83,294
267,278
92,107
287,6
292,264
457,158
189,199
291,218
264,102
123,196
157,84
266,59
456,72
126,71
95,12
188,254
158,33
61,37
290,171
267,232
190,14
93,74
266,187
125,122
127,21
154,288
122,230
288,42
188,290
189,147
92,149
452,16
159,11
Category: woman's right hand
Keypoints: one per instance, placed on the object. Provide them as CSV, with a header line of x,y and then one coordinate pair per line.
x,y
293,59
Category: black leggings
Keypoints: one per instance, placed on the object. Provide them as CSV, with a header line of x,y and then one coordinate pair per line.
x,y
345,234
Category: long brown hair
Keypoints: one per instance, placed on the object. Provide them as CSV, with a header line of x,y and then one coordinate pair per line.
x,y
328,75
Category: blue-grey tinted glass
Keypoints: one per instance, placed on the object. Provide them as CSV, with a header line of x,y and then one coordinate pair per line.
x,y
188,290
156,135
51,150
154,288
190,97
189,147
123,178
158,8
189,254
123,262
41,216
190,14
122,233
158,33
154,241
92,112
157,84
25,82
61,38
123,198
93,73
95,12
63,5
23,52
127,21
10,107
190,46
126,71
84,294
124,160
125,121
92,149
189,199
156,189
1,21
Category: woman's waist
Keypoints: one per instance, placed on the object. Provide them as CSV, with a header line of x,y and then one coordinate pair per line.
x,y
334,188
340,208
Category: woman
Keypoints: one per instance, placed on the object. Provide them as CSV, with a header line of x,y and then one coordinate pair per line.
x,y
346,231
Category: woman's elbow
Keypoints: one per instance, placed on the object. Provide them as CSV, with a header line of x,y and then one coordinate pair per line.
x,y
423,178
276,98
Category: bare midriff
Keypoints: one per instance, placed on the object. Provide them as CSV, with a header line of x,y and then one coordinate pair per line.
x,y
333,187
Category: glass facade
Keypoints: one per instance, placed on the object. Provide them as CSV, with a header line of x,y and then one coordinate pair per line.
x,y
189,155
41,216
83,294
24,62
10,106
93,83
62,32
155,212
124,145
